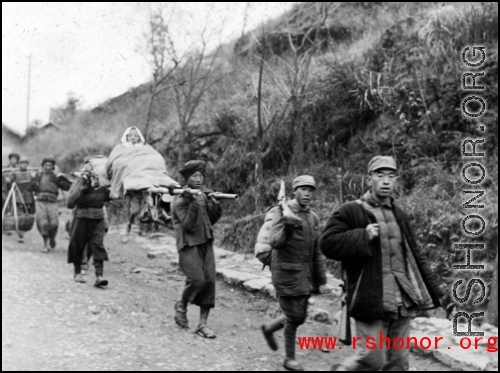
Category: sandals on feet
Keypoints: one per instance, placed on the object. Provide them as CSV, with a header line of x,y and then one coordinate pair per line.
x,y
181,315
205,332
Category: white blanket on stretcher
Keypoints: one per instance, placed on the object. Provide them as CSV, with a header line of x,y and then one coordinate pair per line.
x,y
136,168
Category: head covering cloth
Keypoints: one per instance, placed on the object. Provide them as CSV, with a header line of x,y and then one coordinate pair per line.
x,y
193,166
49,160
127,143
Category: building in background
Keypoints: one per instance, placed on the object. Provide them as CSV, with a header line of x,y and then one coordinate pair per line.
x,y
11,142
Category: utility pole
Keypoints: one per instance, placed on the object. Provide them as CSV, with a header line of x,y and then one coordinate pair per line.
x,y
29,89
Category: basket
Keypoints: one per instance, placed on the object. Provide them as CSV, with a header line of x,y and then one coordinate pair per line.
x,y
12,220
24,223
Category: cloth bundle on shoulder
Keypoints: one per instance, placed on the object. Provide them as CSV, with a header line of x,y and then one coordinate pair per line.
x,y
98,164
263,248
136,168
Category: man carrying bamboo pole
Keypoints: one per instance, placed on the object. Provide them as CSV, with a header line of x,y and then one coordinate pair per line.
x,y
193,218
88,227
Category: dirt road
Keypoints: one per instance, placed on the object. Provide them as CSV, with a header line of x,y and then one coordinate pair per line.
x,y
50,322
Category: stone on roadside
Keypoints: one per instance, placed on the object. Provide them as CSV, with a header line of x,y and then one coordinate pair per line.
x,y
156,254
221,253
489,328
459,359
257,284
235,277
157,235
320,315
238,258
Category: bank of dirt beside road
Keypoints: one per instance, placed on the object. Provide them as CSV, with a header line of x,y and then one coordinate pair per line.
x,y
49,322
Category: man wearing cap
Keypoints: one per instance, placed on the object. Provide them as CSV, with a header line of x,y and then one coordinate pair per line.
x,y
88,227
193,217
388,275
24,182
7,175
14,160
298,266
46,185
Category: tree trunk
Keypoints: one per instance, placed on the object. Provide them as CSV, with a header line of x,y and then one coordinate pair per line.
x,y
299,136
492,313
259,175
182,147
148,114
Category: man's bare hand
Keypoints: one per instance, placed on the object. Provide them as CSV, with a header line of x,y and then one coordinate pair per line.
x,y
214,198
373,231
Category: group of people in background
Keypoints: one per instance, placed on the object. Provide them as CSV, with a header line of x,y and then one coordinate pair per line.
x,y
39,190
388,275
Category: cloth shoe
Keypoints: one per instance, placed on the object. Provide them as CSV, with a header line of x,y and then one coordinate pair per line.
x,y
292,364
100,282
269,336
79,278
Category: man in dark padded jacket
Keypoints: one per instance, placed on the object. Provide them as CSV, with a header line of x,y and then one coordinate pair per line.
x,y
388,276
88,228
193,218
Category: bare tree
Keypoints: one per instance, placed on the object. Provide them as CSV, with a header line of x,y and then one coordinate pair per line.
x,y
186,63
162,54
199,72
302,39
267,121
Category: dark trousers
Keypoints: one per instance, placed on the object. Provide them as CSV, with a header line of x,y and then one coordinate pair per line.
x,y
87,232
47,218
198,264
295,308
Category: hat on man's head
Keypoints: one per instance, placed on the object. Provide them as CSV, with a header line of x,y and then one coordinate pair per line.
x,y
14,155
48,160
381,161
303,180
191,167
24,159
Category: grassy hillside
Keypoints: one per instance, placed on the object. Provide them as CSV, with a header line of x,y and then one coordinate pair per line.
x,y
386,80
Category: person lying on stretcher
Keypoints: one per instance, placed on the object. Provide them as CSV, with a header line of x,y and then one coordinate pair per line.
x,y
132,137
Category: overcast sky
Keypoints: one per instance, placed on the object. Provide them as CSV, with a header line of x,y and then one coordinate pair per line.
x,y
94,50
